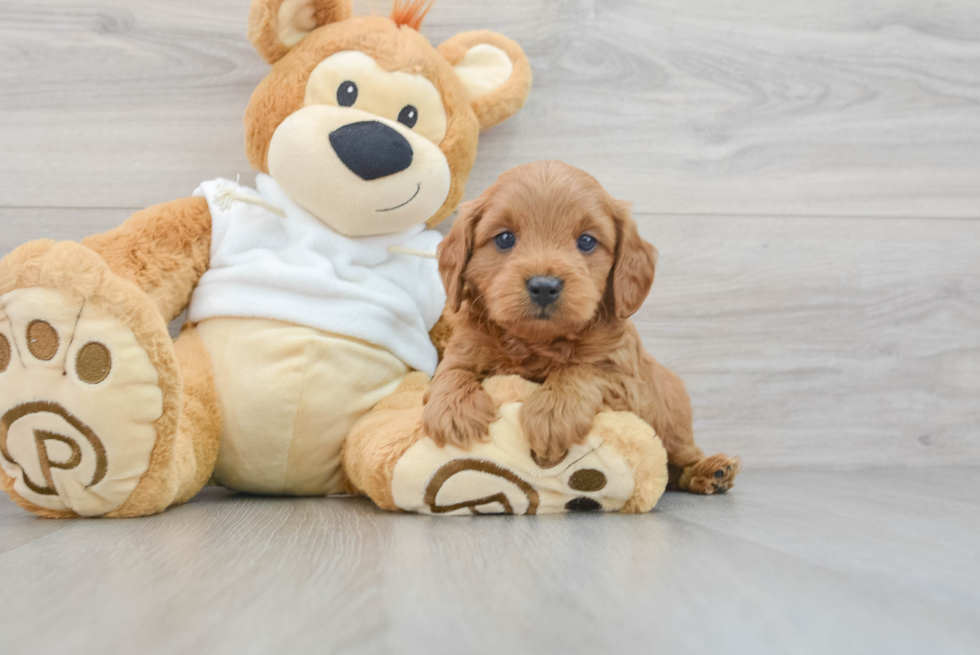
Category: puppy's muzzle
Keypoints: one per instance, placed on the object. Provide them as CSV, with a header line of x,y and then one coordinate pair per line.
x,y
371,149
544,290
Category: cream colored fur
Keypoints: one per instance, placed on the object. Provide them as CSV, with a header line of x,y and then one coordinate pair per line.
x,y
225,381
388,458
280,379
81,275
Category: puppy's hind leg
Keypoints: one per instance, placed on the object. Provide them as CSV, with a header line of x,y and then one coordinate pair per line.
x,y
688,468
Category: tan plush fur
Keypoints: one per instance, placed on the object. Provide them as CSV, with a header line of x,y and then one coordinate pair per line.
x,y
144,271
583,347
163,250
79,272
499,105
263,29
199,430
379,440
394,48
650,481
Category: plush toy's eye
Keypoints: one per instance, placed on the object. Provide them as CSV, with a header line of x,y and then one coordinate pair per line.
x,y
587,243
408,116
505,240
346,94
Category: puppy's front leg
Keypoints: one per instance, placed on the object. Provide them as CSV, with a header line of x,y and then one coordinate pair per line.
x,y
457,409
559,414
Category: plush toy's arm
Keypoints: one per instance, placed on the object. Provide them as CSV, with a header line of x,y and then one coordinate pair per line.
x,y
164,250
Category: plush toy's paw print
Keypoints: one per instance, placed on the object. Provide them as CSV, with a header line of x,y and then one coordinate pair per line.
x,y
78,402
493,480
620,466
712,475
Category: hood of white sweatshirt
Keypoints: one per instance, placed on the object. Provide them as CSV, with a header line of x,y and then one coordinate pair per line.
x,y
270,258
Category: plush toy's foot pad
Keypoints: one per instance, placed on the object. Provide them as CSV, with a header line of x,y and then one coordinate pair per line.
x,y
78,401
622,466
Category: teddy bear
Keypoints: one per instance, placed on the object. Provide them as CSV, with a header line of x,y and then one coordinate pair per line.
x,y
310,302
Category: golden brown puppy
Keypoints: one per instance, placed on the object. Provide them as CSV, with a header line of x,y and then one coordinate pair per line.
x,y
543,272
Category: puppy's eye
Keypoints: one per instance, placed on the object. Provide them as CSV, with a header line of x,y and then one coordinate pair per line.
x,y
505,240
346,94
587,243
408,116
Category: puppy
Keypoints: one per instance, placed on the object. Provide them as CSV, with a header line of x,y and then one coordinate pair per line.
x,y
542,273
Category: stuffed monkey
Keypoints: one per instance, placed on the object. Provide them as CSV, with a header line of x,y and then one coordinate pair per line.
x,y
309,297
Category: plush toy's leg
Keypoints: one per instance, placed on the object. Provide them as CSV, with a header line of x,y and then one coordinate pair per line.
x,y
199,428
96,418
163,250
689,469
622,466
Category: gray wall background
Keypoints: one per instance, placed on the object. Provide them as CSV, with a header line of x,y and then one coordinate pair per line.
x,y
810,172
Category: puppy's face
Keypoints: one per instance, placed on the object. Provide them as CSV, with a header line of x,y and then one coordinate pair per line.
x,y
543,248
542,253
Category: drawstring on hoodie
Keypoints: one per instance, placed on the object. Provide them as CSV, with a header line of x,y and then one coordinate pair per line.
x,y
225,198
401,250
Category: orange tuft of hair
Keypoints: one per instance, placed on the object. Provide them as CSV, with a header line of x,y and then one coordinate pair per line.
x,y
410,13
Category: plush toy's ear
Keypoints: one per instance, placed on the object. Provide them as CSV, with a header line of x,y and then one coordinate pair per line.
x,y
494,71
456,249
636,263
275,26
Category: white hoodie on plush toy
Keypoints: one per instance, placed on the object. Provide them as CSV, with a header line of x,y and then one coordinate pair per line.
x,y
289,266
303,323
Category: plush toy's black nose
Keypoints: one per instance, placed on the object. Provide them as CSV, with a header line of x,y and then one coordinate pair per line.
x,y
544,289
371,149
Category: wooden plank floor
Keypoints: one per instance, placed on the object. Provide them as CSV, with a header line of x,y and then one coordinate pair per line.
x,y
811,175
791,561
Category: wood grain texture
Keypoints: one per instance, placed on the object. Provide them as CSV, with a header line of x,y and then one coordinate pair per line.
x,y
809,172
807,334
822,341
793,108
792,561
847,342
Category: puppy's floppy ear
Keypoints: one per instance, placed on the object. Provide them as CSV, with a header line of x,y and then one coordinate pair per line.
x,y
635,265
494,70
456,249
275,26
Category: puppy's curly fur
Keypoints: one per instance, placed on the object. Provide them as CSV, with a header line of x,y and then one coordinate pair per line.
x,y
582,347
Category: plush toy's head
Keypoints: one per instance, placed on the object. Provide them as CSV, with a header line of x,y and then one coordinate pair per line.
x,y
362,122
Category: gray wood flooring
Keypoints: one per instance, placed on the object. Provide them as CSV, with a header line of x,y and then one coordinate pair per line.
x,y
791,561
810,172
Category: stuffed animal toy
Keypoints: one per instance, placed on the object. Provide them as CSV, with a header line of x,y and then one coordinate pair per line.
x,y
621,466
310,298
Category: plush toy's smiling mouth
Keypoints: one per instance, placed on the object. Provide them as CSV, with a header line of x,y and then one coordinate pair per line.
x,y
417,189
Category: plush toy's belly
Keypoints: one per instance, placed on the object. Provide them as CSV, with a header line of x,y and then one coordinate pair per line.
x,y
289,396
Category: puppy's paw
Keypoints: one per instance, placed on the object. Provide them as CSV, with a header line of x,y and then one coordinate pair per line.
x,y
552,426
459,419
712,475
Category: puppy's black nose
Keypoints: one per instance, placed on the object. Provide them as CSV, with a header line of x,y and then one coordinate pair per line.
x,y
371,149
544,289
